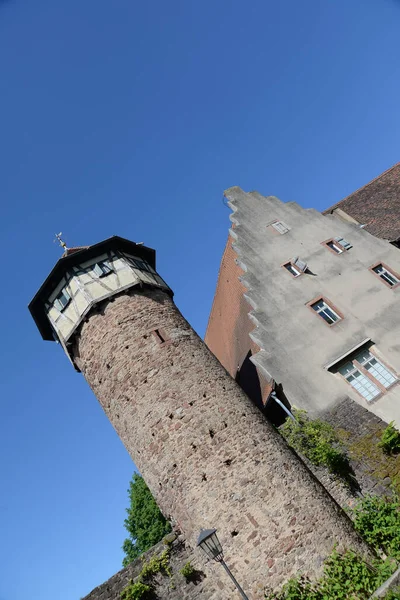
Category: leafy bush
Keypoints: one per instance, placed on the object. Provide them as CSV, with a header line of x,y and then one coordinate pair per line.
x,y
300,588
156,564
318,441
378,521
137,591
140,590
390,439
346,577
188,571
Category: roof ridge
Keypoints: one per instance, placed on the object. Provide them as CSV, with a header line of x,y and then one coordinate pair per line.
x,y
361,188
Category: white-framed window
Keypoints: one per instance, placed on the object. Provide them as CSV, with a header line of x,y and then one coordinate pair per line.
x,y
376,369
62,300
325,311
338,245
359,381
296,267
335,247
280,227
384,273
102,268
293,270
367,375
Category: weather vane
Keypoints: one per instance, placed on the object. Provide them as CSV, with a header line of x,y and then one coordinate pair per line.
x,y
60,240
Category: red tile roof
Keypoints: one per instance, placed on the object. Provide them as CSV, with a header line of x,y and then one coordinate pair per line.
x,y
376,205
69,251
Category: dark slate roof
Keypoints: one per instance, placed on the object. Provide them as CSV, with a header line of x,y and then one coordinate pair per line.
x,y
376,205
77,256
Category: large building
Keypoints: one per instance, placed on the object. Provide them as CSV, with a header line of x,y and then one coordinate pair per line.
x,y
307,304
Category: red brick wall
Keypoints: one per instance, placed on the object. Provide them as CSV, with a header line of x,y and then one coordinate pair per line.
x,y
228,329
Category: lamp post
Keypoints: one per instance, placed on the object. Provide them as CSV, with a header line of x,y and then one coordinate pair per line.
x,y
210,544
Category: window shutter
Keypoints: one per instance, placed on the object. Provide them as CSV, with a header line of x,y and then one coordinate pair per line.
x,y
346,245
300,264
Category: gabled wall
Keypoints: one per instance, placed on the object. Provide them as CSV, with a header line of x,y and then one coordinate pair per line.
x,y
297,345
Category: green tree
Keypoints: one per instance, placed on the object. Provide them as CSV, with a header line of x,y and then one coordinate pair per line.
x,y
145,523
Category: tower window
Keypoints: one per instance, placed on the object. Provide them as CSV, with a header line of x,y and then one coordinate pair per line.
x,y
102,268
325,310
143,265
62,300
338,245
390,278
279,227
367,375
161,337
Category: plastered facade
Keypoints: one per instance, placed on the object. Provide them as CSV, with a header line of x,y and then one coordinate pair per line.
x,y
297,346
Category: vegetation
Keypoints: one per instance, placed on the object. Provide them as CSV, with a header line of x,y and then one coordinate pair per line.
x,y
378,521
145,523
189,572
137,591
390,439
317,441
143,588
366,449
156,564
346,577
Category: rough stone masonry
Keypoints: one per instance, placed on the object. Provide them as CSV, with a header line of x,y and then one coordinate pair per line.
x,y
207,454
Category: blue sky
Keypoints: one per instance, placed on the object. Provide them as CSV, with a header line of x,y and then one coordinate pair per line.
x,y
131,118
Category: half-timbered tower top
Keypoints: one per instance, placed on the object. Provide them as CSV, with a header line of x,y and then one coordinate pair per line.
x,y
85,276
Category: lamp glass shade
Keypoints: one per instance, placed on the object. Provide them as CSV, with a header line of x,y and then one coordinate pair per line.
x,y
209,543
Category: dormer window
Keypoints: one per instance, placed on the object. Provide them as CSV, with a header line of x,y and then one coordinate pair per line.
x,y
62,300
102,268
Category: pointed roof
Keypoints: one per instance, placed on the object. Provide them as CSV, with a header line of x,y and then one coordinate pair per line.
x,y
74,256
69,251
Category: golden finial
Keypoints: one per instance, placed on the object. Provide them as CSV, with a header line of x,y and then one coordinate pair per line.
x,y
60,240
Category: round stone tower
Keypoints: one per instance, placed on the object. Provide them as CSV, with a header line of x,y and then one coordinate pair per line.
x,y
207,454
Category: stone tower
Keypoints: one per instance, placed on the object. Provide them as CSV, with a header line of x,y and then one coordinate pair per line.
x,y
207,454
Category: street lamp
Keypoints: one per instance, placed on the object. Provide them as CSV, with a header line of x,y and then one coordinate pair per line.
x,y
210,544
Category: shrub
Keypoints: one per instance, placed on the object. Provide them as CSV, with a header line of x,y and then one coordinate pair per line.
x,y
390,439
318,441
378,521
346,577
137,591
156,564
188,571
